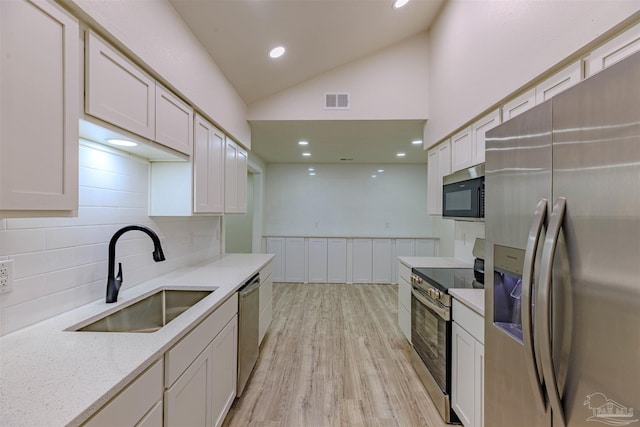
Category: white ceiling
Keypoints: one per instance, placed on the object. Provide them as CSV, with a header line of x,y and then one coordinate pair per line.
x,y
373,141
319,35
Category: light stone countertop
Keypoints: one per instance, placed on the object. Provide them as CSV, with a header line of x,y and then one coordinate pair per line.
x,y
52,377
472,298
434,262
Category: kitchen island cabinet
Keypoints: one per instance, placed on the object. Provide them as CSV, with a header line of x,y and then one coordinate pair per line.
x,y
39,109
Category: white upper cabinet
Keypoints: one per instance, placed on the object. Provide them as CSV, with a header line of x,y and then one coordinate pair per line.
x,y
39,109
439,165
467,146
174,121
478,131
121,93
519,104
235,178
461,149
118,91
614,50
560,81
208,168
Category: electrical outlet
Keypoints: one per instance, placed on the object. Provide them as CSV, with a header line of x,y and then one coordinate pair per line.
x,y
6,276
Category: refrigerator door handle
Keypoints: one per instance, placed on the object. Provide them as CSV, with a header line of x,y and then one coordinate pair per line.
x,y
543,309
527,280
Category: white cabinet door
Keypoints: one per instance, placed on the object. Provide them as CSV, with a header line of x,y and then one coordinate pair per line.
x,y
434,188
187,401
132,405
242,164
224,353
381,258
317,260
275,246
616,49
461,150
463,375
519,104
174,121
294,259
266,307
153,418
39,108
208,165
439,165
235,178
337,260
560,81
362,260
479,384
404,300
117,91
478,130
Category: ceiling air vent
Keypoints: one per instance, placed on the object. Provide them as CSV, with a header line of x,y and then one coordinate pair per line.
x,y
336,101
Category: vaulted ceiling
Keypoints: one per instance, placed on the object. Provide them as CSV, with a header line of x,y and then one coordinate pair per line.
x,y
319,35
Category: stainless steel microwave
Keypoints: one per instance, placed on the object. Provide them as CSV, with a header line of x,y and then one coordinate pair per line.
x,y
463,194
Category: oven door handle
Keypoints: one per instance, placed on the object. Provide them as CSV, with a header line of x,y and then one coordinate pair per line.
x,y
442,312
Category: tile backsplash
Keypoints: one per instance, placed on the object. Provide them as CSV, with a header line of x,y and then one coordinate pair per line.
x,y
61,263
465,237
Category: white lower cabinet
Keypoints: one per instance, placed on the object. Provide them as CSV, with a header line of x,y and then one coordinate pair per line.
x,y
200,371
467,359
275,246
404,300
266,300
337,260
317,260
294,259
362,260
381,268
140,403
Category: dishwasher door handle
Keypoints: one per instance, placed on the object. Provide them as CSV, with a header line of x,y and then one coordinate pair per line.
x,y
250,287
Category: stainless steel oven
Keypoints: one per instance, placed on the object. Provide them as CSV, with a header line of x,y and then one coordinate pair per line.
x,y
431,323
431,340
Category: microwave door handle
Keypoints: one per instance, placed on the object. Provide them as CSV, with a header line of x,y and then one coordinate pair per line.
x,y
543,309
527,280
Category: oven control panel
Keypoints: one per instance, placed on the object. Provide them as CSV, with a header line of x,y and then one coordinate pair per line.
x,y
430,290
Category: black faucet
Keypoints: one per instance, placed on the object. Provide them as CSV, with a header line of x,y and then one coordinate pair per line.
x,y
114,283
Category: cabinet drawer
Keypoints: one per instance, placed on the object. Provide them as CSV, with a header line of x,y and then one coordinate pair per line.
x,y
471,321
180,356
266,271
404,294
133,403
405,272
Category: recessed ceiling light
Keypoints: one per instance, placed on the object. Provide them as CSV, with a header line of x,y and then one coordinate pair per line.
x,y
397,4
306,154
312,174
374,176
416,142
311,169
122,142
401,154
380,170
277,52
303,142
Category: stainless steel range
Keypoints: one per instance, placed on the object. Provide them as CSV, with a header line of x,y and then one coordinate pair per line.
x,y
431,328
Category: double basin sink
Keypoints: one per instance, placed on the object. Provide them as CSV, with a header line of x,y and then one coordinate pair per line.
x,y
147,314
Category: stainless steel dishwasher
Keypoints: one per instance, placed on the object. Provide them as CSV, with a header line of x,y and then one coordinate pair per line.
x,y
248,321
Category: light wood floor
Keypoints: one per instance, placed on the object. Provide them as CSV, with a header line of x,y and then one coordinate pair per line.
x,y
334,356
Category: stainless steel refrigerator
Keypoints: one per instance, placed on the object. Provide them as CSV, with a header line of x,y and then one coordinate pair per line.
x,y
562,285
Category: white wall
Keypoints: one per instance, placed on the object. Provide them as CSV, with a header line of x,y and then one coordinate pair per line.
x,y
388,85
482,51
61,263
344,200
154,32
